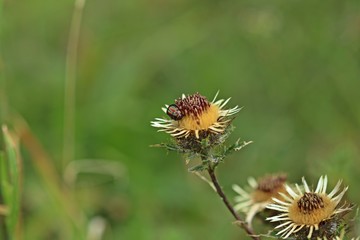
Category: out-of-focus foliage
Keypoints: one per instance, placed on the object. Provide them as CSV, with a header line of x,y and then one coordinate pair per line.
x,y
10,177
293,65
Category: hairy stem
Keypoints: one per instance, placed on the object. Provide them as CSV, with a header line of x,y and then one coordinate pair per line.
x,y
223,197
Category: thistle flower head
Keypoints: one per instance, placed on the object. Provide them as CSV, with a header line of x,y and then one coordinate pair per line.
x,y
309,212
195,123
195,117
261,194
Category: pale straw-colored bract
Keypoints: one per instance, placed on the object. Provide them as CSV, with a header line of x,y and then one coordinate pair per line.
x,y
297,212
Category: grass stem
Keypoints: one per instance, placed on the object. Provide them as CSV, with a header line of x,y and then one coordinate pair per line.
x,y
70,83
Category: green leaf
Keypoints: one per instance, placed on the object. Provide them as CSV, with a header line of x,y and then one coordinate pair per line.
x,y
205,143
3,171
10,181
237,146
198,168
170,147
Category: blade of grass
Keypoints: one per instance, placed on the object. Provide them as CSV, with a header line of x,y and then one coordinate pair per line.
x,y
4,208
43,164
4,176
70,83
11,182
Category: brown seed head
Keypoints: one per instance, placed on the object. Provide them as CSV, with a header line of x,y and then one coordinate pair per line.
x,y
310,202
192,105
271,183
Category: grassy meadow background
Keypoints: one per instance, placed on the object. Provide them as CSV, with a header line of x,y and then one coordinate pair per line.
x,y
293,65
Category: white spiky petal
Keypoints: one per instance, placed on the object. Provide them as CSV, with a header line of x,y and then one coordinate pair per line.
x,y
287,224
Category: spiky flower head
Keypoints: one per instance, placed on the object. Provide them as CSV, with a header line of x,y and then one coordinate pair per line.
x,y
261,194
194,117
309,214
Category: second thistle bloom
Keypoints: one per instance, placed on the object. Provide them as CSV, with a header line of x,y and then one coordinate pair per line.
x,y
306,213
195,117
261,194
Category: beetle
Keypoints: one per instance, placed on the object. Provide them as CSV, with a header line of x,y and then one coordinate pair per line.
x,y
174,112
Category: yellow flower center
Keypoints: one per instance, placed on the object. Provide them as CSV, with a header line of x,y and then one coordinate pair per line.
x,y
311,209
262,196
269,187
202,121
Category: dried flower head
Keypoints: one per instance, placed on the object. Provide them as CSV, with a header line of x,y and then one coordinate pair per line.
x,y
194,116
306,211
261,194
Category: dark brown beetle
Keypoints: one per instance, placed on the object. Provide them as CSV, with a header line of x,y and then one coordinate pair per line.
x,y
174,112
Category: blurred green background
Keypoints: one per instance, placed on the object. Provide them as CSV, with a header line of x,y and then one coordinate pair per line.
x,y
293,65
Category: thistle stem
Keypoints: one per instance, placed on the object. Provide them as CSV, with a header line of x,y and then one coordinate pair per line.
x,y
223,197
